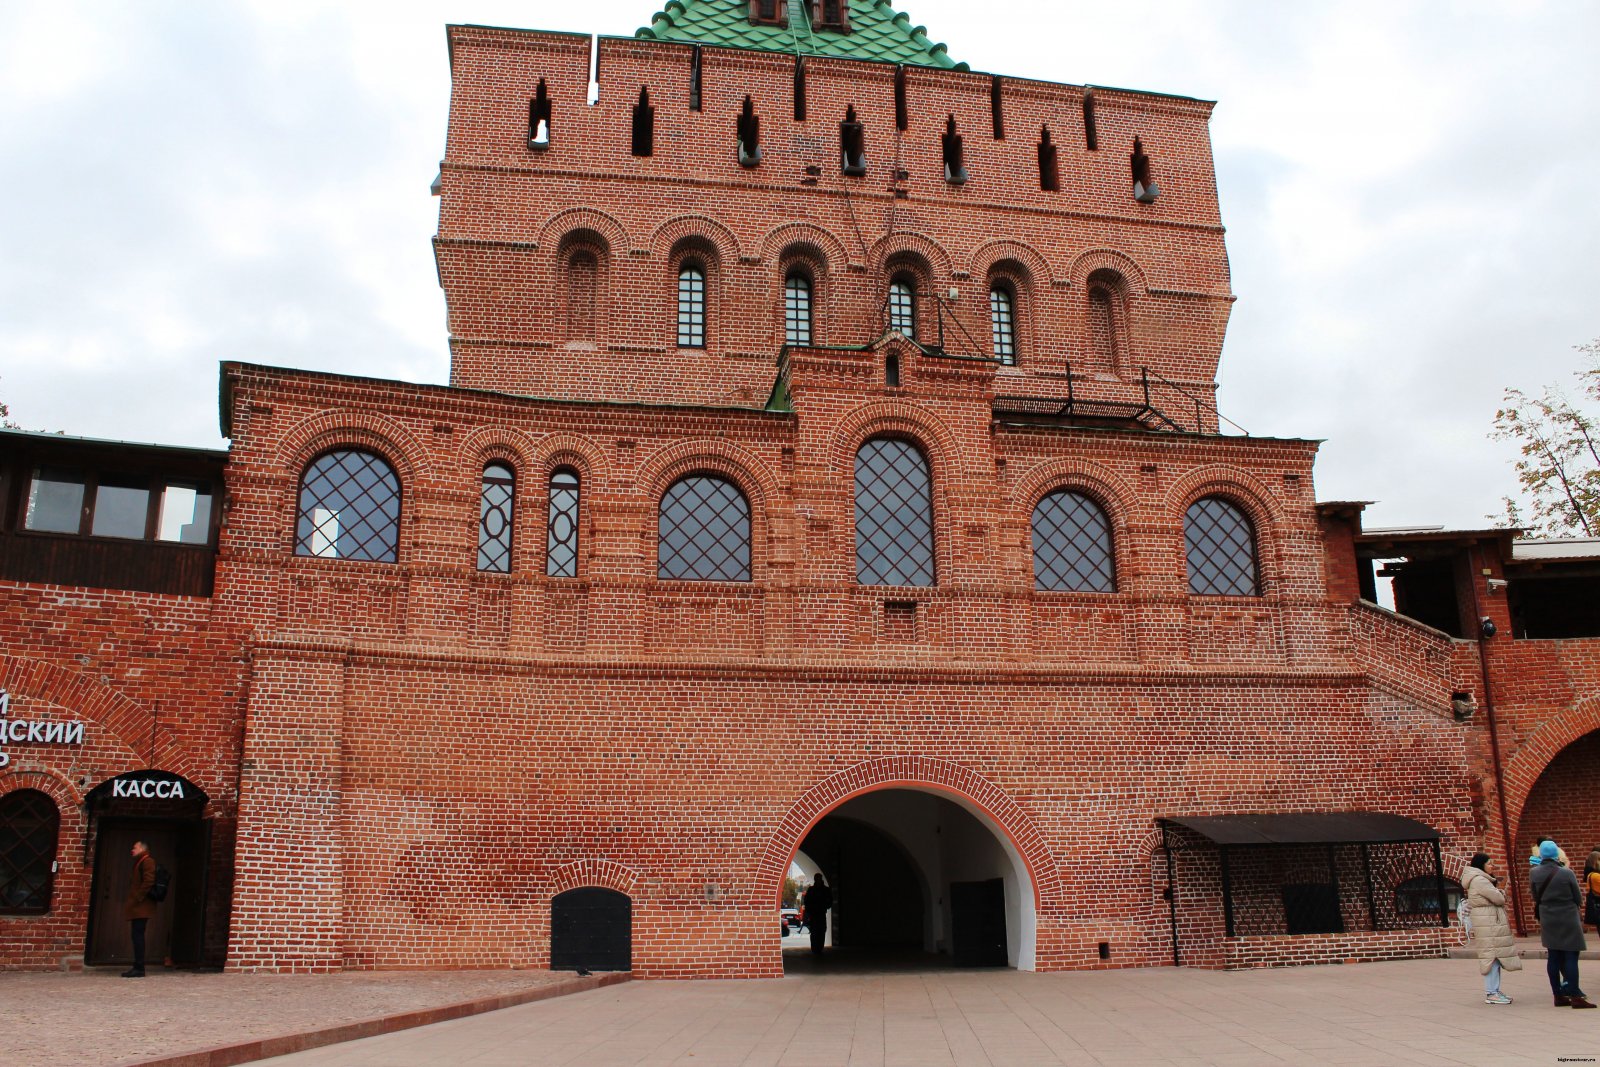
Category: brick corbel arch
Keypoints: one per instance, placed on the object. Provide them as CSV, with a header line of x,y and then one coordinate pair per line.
x,y
570,450
913,772
1522,771
1125,266
717,456
607,874
709,230
1250,494
350,426
890,245
582,218
121,716
489,443
1114,495
987,255
783,237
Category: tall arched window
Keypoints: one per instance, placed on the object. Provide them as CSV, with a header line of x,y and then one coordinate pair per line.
x,y
583,281
797,309
561,545
903,306
691,306
1107,328
29,826
349,508
894,514
1072,545
1002,323
704,531
1220,544
495,511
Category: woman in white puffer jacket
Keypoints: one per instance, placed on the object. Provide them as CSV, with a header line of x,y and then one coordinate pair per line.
x,y
1497,949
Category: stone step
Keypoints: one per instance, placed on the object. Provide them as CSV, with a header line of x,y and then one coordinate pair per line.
x,y
1527,947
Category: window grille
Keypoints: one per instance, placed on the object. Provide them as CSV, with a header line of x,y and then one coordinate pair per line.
x,y
691,307
1002,325
902,308
894,514
704,531
797,309
561,545
495,518
29,826
1220,545
1072,545
349,508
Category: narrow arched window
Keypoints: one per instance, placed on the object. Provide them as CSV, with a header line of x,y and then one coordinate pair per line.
x,y
894,514
691,306
1002,324
1220,544
704,531
583,272
561,545
349,508
30,824
495,512
903,307
797,309
1072,545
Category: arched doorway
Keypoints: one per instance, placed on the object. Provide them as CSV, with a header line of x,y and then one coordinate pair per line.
x,y
1564,802
591,929
921,876
164,811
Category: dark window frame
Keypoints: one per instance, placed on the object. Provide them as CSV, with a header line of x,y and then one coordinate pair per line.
x,y
693,318
39,866
1000,285
902,279
1080,541
1236,579
792,315
881,552
301,541
681,566
155,484
573,513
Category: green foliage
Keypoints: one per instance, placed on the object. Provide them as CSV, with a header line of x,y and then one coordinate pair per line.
x,y
791,892
1559,467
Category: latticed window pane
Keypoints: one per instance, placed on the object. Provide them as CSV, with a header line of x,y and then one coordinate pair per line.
x,y
495,515
349,508
561,547
1001,326
704,531
894,514
1072,545
29,823
691,308
797,310
902,309
1221,549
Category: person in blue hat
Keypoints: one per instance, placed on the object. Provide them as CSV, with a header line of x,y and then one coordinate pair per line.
x,y
1557,904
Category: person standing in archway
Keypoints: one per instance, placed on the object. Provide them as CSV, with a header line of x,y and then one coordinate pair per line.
x,y
819,898
137,907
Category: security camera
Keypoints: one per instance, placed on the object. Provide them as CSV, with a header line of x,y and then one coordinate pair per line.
x,y
1496,584
1487,627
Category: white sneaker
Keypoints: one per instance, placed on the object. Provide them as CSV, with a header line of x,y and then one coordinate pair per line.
x,y
1496,998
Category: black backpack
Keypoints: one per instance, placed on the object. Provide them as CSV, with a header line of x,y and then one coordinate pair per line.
x,y
158,887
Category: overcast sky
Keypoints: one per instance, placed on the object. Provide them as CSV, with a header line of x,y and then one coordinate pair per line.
x,y
1409,190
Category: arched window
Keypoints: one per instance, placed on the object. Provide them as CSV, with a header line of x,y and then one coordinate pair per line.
x,y
894,514
495,517
583,282
903,306
797,309
29,826
1221,547
349,508
1107,328
704,531
1002,324
691,306
561,546
1072,545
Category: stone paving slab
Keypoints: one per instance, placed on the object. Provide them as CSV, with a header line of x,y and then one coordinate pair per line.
x,y
189,1019
1528,948
1428,1012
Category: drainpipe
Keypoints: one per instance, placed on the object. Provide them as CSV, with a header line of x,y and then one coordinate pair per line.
x,y
1494,754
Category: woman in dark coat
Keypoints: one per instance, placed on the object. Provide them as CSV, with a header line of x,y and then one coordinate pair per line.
x,y
1558,906
819,898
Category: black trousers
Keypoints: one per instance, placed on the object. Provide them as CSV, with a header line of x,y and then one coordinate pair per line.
x,y
137,926
819,930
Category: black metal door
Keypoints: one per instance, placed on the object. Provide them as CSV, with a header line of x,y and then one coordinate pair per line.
x,y
978,923
591,928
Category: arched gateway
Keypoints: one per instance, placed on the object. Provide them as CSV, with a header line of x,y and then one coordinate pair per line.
x,y
943,860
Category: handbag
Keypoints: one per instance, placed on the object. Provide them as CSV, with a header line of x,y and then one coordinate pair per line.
x,y
1591,909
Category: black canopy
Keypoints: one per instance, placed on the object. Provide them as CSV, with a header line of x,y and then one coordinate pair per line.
x,y
1308,828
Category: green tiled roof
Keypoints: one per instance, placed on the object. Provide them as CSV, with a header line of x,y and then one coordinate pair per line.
x,y
877,31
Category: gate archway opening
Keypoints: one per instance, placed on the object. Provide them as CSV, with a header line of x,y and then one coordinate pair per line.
x,y
921,878
1564,803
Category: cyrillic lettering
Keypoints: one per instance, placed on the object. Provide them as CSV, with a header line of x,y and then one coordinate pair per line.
x,y
36,732
17,730
5,758
54,732
74,733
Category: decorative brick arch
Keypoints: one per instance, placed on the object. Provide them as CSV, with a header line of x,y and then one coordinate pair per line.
x,y
121,716
702,227
348,426
1115,496
570,450
913,772
489,443
987,255
1523,770
1110,259
1251,495
607,874
53,784
782,238
931,251
582,218
716,456
894,417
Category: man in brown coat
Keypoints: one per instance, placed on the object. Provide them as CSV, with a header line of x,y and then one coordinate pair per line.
x,y
137,907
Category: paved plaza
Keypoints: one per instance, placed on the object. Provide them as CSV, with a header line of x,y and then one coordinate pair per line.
x,y
1412,1012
